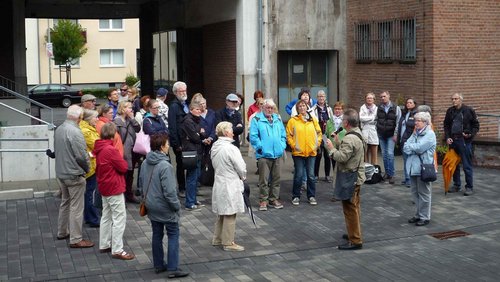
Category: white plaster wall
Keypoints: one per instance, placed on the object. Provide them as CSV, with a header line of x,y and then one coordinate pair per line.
x,y
303,25
247,49
32,61
18,166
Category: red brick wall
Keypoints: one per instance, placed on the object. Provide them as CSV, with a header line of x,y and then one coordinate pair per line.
x,y
219,62
457,51
467,57
403,80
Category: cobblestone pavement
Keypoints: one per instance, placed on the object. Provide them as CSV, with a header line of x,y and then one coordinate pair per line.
x,y
297,243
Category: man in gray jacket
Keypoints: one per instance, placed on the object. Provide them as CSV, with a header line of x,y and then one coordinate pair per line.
x,y
72,163
350,157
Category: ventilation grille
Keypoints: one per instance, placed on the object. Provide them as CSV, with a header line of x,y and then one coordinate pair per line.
x,y
449,234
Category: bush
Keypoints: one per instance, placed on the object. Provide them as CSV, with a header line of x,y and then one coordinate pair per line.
x,y
131,79
98,92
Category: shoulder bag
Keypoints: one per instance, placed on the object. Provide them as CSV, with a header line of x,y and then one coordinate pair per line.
x,y
345,182
189,159
427,171
142,207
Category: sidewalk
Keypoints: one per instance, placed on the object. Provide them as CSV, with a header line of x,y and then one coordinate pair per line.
x,y
292,244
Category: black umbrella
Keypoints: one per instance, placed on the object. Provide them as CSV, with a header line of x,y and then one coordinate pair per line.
x,y
246,198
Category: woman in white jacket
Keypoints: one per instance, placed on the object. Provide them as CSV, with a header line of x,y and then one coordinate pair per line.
x,y
367,114
227,194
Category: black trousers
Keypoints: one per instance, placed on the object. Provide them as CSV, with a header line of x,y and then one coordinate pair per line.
x,y
180,172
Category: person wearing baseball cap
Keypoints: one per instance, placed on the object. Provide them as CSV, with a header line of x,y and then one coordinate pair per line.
x,y
161,96
230,114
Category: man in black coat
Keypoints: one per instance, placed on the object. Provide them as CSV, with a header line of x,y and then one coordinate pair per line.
x,y
230,114
178,109
460,127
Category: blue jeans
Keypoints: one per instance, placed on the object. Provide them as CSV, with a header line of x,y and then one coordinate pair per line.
x,y
387,147
90,213
173,245
303,166
405,172
464,150
192,185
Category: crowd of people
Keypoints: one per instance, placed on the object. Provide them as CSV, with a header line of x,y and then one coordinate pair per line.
x,y
96,158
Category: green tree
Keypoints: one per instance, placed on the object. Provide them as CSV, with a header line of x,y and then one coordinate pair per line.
x,y
68,44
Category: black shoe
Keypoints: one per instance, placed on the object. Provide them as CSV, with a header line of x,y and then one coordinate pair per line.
x,y
177,273
413,220
182,194
468,192
160,269
345,237
422,222
350,246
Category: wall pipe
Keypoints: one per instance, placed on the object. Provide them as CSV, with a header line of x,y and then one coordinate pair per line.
x,y
259,48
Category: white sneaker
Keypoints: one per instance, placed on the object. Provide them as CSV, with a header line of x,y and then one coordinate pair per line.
x,y
234,248
295,201
312,201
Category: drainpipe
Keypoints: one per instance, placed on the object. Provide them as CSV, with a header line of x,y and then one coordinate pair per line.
x,y
259,48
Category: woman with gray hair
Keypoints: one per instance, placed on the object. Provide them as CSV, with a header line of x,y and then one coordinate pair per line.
x,y
227,194
420,149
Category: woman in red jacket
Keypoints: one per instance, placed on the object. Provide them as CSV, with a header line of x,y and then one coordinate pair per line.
x,y
111,170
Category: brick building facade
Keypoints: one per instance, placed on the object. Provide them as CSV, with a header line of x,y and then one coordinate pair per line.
x,y
456,50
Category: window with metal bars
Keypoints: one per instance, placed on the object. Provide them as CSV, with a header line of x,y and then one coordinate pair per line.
x,y
385,41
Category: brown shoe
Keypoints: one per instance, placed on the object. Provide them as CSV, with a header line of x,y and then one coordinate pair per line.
x,y
82,244
107,250
123,255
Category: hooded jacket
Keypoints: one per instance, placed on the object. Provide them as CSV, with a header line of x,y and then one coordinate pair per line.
x,y
423,144
161,200
111,168
90,135
304,137
267,138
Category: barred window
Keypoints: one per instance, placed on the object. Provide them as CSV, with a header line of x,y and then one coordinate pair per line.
x,y
385,41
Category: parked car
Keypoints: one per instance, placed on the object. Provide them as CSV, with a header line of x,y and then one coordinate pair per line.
x,y
55,94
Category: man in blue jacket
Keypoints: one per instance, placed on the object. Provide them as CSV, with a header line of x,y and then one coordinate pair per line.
x,y
268,137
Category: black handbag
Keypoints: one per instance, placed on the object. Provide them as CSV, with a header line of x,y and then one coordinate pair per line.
x,y
207,173
427,171
189,159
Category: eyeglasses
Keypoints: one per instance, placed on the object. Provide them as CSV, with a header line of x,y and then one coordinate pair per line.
x,y
93,101
155,108
125,89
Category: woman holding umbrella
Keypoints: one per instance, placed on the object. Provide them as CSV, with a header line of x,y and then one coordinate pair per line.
x,y
420,149
227,198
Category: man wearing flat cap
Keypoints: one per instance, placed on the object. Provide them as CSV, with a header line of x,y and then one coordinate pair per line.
x,y
161,96
88,101
230,114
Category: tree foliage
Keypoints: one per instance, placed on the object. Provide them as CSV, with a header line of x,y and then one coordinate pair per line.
x,y
68,42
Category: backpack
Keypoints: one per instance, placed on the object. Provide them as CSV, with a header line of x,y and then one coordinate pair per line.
x,y
376,174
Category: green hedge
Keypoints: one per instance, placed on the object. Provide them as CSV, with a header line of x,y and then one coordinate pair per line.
x,y
98,92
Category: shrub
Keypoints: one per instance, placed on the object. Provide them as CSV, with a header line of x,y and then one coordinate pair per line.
x,y
131,79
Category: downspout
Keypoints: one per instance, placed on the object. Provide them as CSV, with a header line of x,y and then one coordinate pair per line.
x,y
259,47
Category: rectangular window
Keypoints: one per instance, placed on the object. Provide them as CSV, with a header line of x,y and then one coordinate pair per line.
x,y
112,58
386,41
111,25
408,44
363,43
